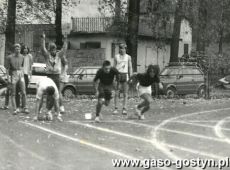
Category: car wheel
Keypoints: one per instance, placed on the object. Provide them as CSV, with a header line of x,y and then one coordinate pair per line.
x,y
69,92
201,92
171,92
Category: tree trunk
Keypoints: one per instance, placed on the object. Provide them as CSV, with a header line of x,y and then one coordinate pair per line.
x,y
221,31
132,34
58,23
10,26
117,9
221,41
176,32
202,24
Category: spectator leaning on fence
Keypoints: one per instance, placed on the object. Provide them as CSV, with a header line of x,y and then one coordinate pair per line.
x,y
54,61
14,66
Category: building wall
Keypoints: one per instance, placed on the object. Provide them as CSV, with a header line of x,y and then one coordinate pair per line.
x,y
106,43
2,48
148,53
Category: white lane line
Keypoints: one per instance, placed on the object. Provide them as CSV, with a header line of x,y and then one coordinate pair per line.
x,y
83,142
201,125
191,134
156,129
33,154
178,132
147,140
218,130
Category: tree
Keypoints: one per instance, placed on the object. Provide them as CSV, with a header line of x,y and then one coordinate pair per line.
x,y
132,34
174,50
58,23
10,25
202,25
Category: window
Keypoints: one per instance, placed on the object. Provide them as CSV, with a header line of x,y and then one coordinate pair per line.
x,y
90,45
186,48
169,72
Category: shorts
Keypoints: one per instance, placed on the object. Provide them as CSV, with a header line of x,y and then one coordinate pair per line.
x,y
123,77
105,91
56,79
144,90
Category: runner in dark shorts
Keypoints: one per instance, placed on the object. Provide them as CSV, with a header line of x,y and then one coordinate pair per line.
x,y
104,85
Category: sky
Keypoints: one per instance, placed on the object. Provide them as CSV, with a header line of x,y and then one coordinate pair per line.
x,y
84,8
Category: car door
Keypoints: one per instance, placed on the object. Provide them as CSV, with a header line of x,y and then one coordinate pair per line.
x,y
85,81
185,81
38,73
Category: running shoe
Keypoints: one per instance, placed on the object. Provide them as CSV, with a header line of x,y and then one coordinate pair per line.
x,y
142,117
124,111
97,119
62,109
49,116
4,107
115,111
26,111
59,118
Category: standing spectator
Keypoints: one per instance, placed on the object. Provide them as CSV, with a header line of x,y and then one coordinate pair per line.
x,y
54,61
123,63
14,66
28,62
27,69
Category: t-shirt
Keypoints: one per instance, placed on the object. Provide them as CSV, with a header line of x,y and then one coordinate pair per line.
x,y
43,84
28,61
14,63
106,78
54,64
145,80
122,63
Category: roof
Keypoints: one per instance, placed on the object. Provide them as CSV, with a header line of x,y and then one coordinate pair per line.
x,y
109,25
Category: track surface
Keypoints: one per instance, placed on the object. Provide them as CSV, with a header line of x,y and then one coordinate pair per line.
x,y
172,130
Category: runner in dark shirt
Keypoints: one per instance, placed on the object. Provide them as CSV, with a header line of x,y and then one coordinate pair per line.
x,y
145,81
104,84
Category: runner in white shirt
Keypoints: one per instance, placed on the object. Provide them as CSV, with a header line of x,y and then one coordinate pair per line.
x,y
48,87
123,63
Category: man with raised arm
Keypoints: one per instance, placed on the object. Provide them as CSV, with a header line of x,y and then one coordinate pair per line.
x,y
54,62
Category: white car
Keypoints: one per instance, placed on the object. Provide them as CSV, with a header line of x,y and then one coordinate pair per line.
x,y
225,82
38,72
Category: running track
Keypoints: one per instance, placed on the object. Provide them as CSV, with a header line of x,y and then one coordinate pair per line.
x,y
75,144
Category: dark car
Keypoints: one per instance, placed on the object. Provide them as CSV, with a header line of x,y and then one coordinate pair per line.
x,y
3,79
183,79
81,81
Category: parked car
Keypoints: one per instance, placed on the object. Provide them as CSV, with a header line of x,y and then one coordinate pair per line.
x,y
38,72
81,81
3,77
182,79
225,82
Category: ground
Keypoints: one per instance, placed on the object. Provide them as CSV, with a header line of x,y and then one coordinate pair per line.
x,y
173,129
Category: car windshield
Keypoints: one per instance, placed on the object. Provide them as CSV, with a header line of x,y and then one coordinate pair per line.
x,y
169,71
78,71
2,70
